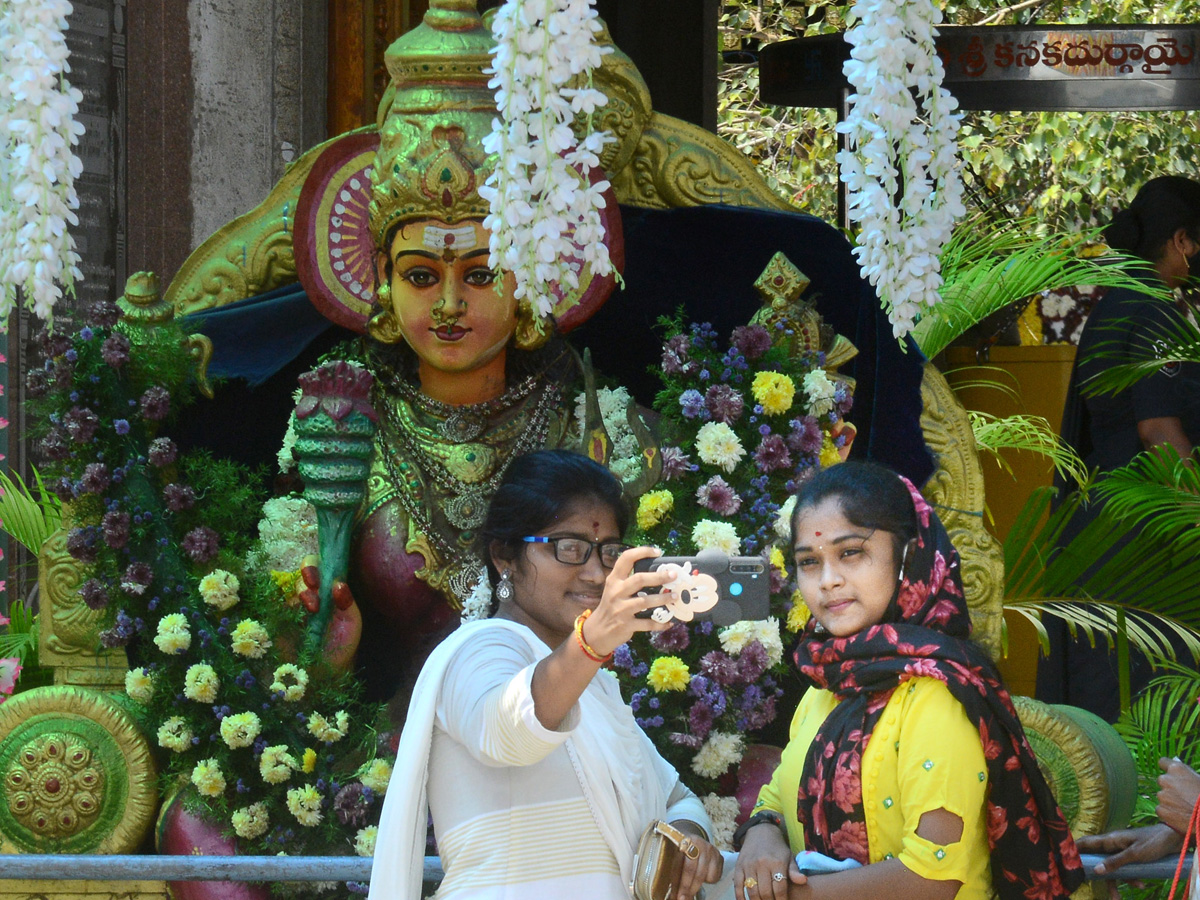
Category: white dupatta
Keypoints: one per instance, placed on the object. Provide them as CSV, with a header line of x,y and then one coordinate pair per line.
x,y
618,770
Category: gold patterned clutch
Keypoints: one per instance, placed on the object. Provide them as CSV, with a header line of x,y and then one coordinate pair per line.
x,y
658,862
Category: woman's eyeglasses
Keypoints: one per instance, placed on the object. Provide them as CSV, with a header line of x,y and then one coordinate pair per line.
x,y
577,551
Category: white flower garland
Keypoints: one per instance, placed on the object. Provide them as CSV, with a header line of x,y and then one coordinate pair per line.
x,y
37,166
898,142
545,216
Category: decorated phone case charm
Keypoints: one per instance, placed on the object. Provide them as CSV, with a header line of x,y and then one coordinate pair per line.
x,y
691,592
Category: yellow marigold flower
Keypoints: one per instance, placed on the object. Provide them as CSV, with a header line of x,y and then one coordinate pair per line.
x,y
200,683
718,445
305,804
376,774
285,581
240,730
774,392
778,561
364,841
668,673
208,778
799,615
250,822
250,639
309,763
173,734
829,453
173,634
220,589
653,507
324,730
139,685
276,765
291,681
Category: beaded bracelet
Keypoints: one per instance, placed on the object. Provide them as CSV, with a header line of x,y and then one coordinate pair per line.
x,y
584,645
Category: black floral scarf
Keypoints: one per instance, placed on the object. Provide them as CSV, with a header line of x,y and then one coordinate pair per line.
x,y
925,633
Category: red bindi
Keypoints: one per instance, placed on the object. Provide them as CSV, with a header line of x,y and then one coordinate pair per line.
x,y
817,533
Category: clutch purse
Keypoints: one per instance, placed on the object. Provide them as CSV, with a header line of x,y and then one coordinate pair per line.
x,y
658,862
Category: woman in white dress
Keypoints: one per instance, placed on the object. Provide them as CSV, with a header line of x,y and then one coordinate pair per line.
x,y
538,778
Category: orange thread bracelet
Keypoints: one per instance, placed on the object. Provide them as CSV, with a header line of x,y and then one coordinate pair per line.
x,y
584,645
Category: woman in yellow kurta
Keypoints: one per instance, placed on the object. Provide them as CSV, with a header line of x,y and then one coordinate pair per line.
x,y
907,774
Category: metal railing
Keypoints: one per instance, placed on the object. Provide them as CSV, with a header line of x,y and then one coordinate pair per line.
x,y
54,867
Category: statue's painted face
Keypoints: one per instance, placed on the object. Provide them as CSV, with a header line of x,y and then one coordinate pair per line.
x,y
444,295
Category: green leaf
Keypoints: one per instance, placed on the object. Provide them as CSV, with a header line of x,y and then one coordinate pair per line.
x,y
28,519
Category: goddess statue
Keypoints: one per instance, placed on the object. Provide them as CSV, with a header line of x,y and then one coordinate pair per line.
x,y
466,377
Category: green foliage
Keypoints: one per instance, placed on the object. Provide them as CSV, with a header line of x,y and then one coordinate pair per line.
x,y
990,264
1163,722
26,517
1065,169
1030,433
1043,576
20,639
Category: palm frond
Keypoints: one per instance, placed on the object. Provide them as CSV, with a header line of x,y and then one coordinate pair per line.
x,y
1159,490
1029,433
28,519
1175,340
1087,580
987,266
1162,722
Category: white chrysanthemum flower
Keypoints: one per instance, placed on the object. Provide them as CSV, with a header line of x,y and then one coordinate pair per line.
x,y
219,589
735,637
240,730
718,445
200,683
783,518
288,531
174,735
710,535
173,634
276,764
305,804
722,813
364,840
719,752
818,391
376,774
139,685
291,681
250,822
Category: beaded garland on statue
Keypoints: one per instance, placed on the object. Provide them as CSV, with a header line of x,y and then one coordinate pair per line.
x,y
443,463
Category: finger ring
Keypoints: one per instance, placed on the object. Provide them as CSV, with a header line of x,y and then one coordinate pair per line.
x,y
778,876
751,882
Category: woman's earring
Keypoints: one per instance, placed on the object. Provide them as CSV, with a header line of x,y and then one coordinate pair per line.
x,y
504,589
903,560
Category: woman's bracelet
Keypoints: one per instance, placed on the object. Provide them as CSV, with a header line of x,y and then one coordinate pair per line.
x,y
584,645
759,818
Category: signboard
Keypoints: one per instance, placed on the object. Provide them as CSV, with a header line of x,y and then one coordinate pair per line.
x,y
1036,68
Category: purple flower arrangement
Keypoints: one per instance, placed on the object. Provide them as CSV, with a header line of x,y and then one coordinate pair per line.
x,y
164,536
744,422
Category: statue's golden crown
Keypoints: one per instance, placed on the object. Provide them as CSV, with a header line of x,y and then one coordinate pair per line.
x,y
432,121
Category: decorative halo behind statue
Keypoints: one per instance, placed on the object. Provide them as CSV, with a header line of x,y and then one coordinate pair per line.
x,y
334,248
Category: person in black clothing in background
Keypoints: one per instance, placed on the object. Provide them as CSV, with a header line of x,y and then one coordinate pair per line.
x,y
1162,227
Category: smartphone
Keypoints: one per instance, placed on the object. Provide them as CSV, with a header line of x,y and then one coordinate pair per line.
x,y
712,586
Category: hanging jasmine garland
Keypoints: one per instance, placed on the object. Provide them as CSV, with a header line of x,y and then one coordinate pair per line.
x,y
37,166
545,216
899,164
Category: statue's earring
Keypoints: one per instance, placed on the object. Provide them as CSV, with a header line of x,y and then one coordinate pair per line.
x,y
384,328
532,330
504,588
383,294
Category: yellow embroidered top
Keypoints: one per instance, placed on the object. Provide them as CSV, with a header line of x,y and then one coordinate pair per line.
x,y
924,755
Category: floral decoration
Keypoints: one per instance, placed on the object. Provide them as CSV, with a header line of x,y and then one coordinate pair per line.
x,y
1064,312
274,744
38,129
899,163
545,210
744,422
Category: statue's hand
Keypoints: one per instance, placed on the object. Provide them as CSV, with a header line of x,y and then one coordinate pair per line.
x,y
345,628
